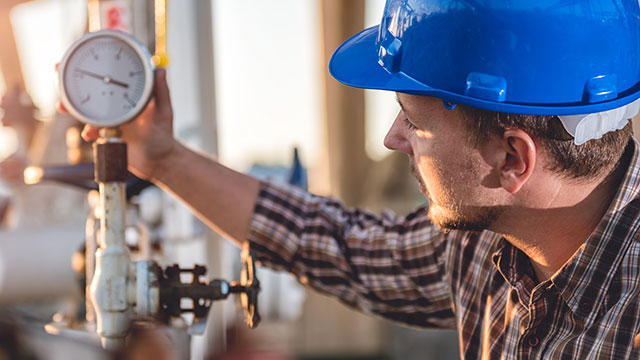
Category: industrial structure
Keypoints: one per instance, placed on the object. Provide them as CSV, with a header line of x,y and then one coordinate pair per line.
x,y
51,216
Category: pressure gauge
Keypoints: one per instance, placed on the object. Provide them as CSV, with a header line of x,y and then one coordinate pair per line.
x,y
106,78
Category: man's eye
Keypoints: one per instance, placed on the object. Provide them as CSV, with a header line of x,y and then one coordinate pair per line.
x,y
409,124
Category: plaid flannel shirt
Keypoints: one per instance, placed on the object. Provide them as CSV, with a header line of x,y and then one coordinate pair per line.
x,y
407,270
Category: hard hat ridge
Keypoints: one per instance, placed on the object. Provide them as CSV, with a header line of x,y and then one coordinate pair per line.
x,y
545,57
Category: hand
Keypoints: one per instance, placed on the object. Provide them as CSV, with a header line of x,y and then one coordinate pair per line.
x,y
149,137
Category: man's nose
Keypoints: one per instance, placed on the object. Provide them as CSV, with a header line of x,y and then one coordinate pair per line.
x,y
396,138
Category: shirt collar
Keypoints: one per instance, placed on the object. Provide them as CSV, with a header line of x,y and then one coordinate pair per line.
x,y
584,279
515,268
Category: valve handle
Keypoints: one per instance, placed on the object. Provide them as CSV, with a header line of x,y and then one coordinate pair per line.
x,y
78,175
248,288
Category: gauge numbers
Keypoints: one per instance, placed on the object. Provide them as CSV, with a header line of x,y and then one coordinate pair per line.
x,y
106,78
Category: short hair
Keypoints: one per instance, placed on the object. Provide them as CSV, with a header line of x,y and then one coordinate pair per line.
x,y
579,162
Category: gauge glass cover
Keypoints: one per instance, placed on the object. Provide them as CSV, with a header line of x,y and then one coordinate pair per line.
x,y
106,78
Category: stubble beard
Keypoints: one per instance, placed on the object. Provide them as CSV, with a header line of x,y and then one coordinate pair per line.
x,y
451,217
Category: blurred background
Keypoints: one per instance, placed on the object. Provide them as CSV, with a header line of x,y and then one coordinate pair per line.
x,y
250,86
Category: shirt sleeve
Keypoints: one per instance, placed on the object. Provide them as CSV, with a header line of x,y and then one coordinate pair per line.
x,y
393,267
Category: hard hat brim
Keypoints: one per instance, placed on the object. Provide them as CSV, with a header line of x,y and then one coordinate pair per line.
x,y
355,63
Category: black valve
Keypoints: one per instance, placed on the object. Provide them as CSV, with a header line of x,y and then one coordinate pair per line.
x,y
203,293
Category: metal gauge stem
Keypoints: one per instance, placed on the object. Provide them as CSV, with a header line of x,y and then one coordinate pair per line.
x,y
106,78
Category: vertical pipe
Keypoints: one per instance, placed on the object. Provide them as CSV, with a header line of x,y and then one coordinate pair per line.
x,y
344,106
93,15
205,59
112,205
109,285
110,281
214,337
160,57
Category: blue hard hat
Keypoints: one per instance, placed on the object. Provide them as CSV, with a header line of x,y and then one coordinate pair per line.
x,y
542,57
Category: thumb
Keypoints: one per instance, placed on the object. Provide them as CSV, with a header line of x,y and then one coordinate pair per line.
x,y
90,133
161,89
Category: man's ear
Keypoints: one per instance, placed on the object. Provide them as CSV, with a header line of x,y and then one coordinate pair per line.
x,y
519,160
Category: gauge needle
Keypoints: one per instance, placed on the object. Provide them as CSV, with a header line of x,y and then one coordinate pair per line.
x,y
107,79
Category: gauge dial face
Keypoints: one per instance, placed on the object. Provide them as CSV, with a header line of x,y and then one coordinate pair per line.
x,y
106,79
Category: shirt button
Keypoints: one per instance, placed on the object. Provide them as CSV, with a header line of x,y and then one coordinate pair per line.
x,y
585,307
534,341
514,296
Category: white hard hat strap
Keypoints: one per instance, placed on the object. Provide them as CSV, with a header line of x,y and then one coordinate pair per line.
x,y
587,127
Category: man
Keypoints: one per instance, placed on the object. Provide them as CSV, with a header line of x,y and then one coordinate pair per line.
x,y
529,246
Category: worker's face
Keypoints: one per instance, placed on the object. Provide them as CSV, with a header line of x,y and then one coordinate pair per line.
x,y
450,171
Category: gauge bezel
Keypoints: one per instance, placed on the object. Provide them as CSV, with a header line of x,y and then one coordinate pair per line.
x,y
147,63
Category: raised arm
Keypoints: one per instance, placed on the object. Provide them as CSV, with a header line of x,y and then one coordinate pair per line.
x,y
394,267
221,197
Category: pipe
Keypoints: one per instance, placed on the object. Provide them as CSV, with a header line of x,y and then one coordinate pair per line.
x,y
110,282
35,264
109,285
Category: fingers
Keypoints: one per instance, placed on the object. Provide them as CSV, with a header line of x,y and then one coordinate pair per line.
x,y
90,133
161,89
60,107
161,104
